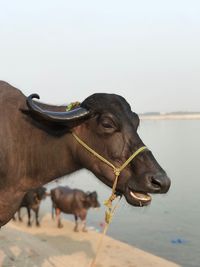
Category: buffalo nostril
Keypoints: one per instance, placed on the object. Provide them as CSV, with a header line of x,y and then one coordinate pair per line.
x,y
155,182
160,183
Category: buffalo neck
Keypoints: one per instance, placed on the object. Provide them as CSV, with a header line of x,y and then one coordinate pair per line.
x,y
51,157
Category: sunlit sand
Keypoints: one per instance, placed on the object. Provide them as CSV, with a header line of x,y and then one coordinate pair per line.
x,y
48,246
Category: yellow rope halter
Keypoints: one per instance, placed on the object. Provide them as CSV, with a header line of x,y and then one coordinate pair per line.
x,y
108,203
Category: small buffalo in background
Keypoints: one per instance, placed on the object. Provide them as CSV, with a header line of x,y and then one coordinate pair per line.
x,y
31,201
72,201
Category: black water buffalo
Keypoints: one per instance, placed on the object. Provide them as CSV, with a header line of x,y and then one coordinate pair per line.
x,y
73,201
37,146
31,201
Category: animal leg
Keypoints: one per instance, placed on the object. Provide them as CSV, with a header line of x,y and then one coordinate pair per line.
x,y
19,215
37,216
76,223
29,216
52,210
58,218
84,229
83,220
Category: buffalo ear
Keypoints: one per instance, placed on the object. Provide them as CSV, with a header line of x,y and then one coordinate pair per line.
x,y
94,193
136,120
57,117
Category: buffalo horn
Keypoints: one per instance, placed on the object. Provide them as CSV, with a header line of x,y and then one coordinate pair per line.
x,y
55,116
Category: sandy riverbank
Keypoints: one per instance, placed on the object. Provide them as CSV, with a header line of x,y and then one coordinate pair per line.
x,y
171,117
48,246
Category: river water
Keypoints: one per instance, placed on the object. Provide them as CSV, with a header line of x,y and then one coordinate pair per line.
x,y
169,227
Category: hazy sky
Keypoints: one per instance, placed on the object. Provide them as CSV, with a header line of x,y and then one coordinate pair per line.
x,y
148,50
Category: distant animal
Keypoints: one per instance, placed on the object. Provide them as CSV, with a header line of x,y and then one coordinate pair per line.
x,y
31,201
72,201
38,145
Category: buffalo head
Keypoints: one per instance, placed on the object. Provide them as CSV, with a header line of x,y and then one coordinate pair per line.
x,y
106,123
41,192
91,200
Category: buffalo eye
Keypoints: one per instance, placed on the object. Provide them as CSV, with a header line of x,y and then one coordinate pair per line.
x,y
107,124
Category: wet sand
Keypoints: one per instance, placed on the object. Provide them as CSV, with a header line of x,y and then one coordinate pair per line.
x,y
48,246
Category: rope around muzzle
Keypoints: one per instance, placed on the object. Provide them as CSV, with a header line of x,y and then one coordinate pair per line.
x,y
108,203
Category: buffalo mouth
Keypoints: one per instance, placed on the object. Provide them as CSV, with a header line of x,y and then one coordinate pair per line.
x,y
135,198
132,196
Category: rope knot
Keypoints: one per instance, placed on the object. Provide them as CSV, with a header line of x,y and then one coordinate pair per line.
x,y
117,171
108,202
